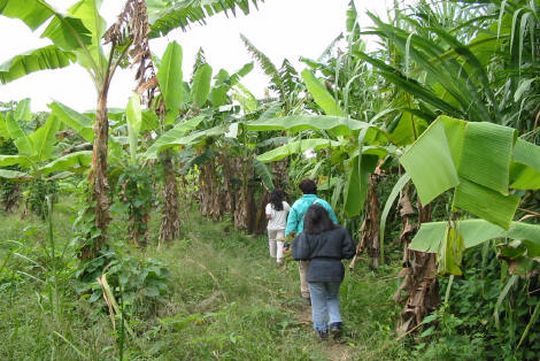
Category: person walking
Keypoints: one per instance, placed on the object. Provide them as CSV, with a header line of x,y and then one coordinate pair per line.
x,y
295,223
324,244
276,213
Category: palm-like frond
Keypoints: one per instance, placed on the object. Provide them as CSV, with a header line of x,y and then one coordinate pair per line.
x,y
181,14
266,64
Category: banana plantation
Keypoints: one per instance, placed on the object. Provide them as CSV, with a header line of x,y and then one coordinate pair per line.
x,y
140,233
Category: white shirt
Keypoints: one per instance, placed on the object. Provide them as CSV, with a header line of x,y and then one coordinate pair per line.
x,y
277,219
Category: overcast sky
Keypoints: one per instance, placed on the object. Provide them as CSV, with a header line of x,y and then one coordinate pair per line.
x,y
281,29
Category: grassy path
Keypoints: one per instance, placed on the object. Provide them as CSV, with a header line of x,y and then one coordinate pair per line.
x,y
227,300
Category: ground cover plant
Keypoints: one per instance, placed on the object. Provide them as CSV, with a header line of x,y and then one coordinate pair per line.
x,y
138,233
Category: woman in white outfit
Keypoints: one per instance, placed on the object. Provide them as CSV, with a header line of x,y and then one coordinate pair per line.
x,y
276,213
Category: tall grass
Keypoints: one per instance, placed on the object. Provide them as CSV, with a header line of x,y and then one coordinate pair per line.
x,y
227,301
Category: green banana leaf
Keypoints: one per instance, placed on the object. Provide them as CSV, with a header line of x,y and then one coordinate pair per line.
x,y
13,174
357,185
525,169
321,95
297,147
134,122
170,78
44,139
264,172
201,85
429,163
21,140
7,160
474,232
88,12
486,155
334,125
48,57
175,136
71,162
164,18
486,203
73,119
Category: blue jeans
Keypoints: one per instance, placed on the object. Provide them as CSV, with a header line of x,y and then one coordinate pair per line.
x,y
324,304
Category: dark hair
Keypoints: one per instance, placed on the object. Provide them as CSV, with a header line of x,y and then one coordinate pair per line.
x,y
308,186
317,220
276,199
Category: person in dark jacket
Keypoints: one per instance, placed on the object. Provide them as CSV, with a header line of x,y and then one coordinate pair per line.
x,y
324,244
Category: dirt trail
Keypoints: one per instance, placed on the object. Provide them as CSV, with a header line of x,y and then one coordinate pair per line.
x,y
335,351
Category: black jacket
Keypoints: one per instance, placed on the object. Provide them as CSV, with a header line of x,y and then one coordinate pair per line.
x,y
325,251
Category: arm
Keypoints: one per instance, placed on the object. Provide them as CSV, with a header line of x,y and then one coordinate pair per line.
x,y
300,248
348,248
292,222
268,210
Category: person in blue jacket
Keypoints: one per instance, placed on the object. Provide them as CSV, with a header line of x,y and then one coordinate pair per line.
x,y
295,223
324,244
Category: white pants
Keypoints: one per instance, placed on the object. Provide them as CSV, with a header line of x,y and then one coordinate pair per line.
x,y
276,238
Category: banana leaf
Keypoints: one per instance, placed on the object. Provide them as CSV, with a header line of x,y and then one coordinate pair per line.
x,y
201,85
297,147
170,77
71,162
474,233
321,95
333,125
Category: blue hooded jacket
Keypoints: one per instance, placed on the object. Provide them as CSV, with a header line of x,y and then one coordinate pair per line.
x,y
295,220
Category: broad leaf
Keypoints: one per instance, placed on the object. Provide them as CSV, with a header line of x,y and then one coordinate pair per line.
x,y
68,33
22,142
71,162
88,12
321,95
297,147
429,163
525,171
134,121
201,85
48,57
7,160
165,18
358,184
170,77
451,252
485,203
32,12
172,136
44,138
264,173
487,151
73,119
334,125
13,174
474,232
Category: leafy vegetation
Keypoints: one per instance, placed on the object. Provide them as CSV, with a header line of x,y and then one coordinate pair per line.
x,y
442,120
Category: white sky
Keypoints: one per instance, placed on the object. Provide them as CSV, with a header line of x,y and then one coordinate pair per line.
x,y
281,29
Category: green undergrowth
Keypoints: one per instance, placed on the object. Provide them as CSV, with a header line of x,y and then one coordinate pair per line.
x,y
225,300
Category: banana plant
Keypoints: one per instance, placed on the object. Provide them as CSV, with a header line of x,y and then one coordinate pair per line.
x,y
37,157
77,35
488,168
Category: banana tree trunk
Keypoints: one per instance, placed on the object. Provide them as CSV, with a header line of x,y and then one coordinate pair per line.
x,y
170,220
99,186
419,272
228,184
369,231
209,191
280,174
243,211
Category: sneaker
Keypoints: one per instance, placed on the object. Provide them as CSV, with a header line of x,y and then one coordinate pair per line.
x,y
336,330
323,335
